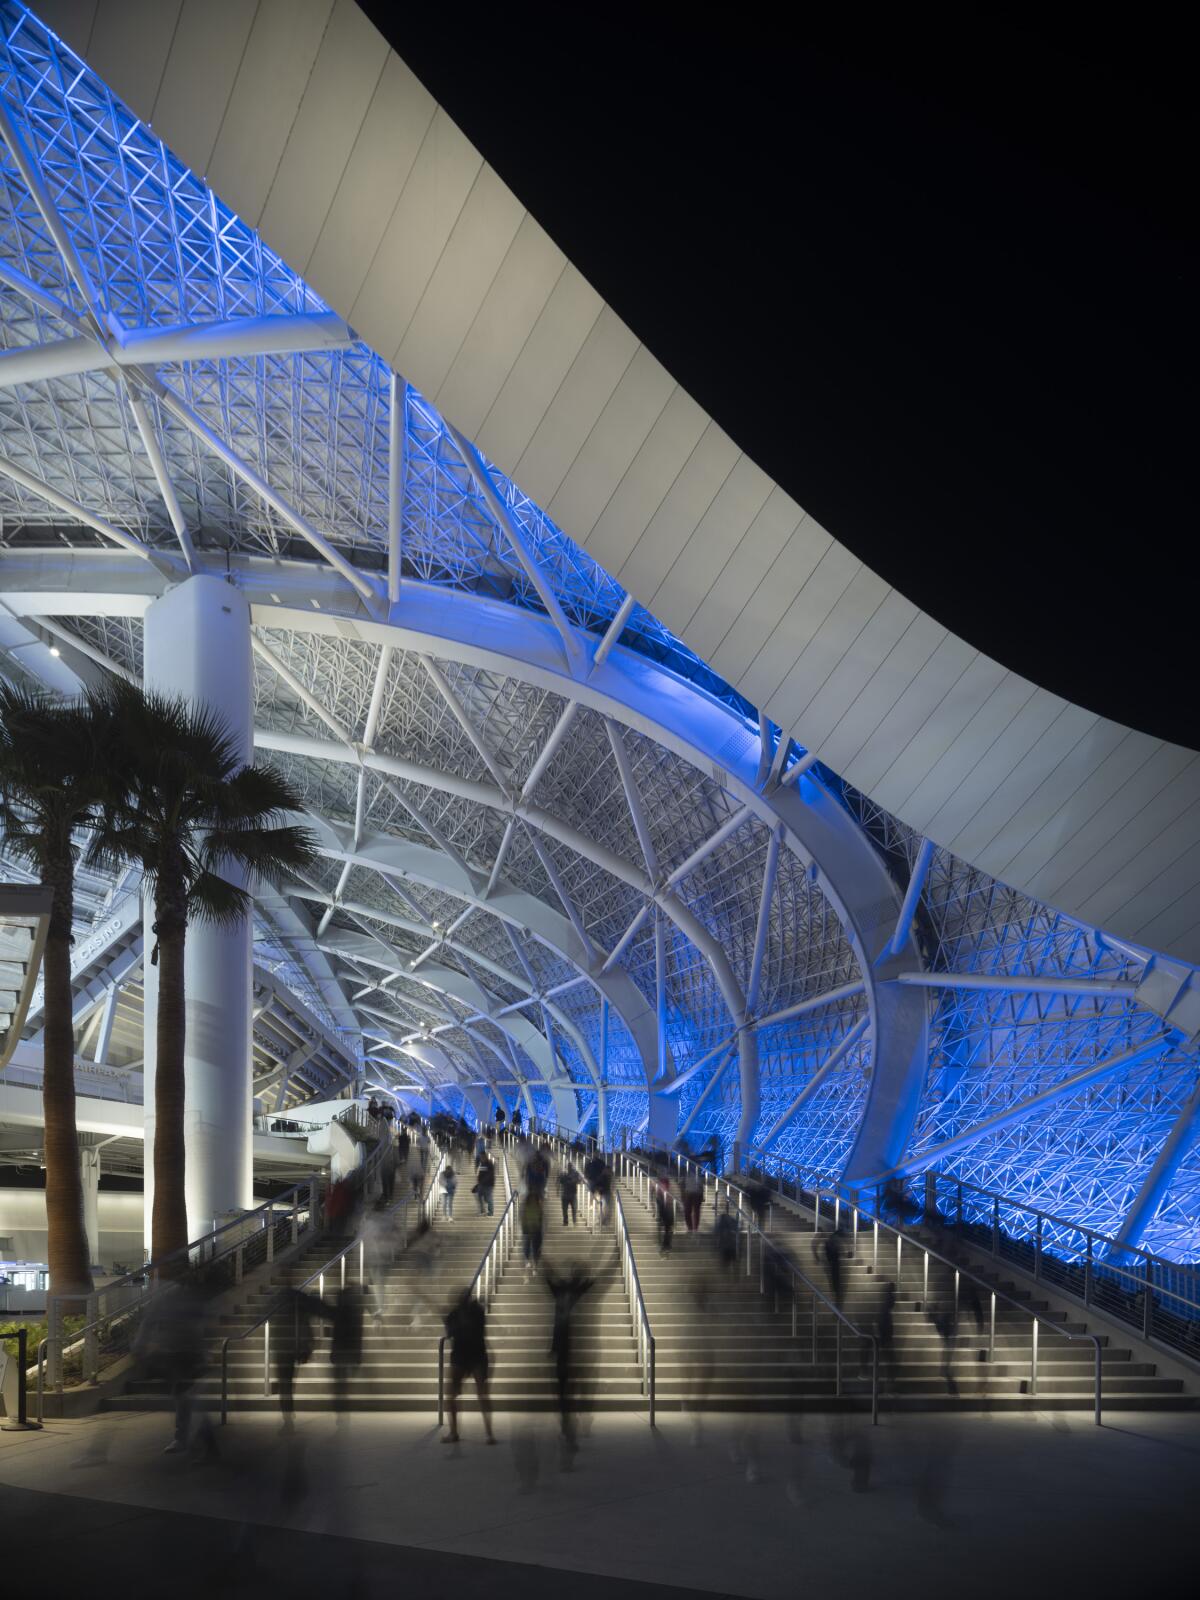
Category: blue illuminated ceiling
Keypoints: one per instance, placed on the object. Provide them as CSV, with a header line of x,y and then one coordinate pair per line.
x,y
269,457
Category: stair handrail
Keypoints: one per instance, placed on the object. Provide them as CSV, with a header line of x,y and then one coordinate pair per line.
x,y
637,1303
264,1321
1097,1264
152,1279
997,1296
487,1275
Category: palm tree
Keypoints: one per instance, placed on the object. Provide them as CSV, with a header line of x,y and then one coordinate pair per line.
x,y
189,811
52,787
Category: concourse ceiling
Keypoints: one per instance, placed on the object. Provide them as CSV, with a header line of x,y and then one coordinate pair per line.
x,y
318,135
541,730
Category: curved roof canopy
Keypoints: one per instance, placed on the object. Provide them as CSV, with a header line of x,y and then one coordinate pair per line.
x,y
562,854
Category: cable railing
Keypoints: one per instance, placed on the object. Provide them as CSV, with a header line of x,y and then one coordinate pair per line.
x,y
1159,1300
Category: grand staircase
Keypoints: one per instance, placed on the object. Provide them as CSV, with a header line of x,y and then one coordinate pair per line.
x,y
740,1352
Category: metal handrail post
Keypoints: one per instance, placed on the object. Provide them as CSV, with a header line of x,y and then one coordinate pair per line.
x,y
1148,1301
441,1380
814,1328
267,1359
1033,1360
992,1329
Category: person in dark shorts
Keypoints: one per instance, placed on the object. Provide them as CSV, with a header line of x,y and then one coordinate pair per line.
x,y
466,1328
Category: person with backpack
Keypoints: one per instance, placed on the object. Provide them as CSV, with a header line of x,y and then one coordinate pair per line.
x,y
485,1186
449,1190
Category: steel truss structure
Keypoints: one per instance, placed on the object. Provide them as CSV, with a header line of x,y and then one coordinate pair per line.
x,y
560,858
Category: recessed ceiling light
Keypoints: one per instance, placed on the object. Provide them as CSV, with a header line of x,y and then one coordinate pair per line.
x,y
275,597
55,651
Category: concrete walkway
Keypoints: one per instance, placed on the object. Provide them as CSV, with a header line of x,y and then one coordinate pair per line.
x,y
985,1505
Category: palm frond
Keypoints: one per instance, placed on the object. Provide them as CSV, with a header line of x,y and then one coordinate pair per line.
x,y
270,853
215,900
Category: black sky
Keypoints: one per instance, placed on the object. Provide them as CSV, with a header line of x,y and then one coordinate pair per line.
x,y
938,285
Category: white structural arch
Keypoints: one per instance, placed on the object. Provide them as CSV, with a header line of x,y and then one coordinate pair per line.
x,y
622,686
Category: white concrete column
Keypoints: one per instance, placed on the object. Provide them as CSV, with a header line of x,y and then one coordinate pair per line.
x,y
197,644
89,1170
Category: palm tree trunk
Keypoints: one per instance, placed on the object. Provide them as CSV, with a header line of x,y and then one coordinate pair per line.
x,y
169,1226
66,1245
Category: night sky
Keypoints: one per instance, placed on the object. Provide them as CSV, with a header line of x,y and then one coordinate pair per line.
x,y
939,286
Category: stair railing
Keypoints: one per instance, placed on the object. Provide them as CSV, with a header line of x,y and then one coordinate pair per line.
x,y
748,1229
840,1205
1157,1299
637,1305
487,1275
232,1247
264,1322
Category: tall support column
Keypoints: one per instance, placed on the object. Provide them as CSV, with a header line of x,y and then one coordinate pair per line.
x,y
602,1092
751,1093
89,1171
197,644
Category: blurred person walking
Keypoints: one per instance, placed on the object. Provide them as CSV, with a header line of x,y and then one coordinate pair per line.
x,y
568,1193
170,1348
533,1222
567,1292
485,1186
664,1213
449,1190
466,1328
691,1187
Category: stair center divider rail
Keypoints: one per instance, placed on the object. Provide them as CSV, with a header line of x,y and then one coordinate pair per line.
x,y
637,1305
487,1274
635,1169
849,1202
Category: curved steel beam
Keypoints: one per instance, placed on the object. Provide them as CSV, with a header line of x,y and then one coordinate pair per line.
x,y
386,854
626,687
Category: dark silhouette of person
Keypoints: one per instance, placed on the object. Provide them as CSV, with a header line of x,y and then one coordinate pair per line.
x,y
946,1323
346,1347
664,1212
466,1329
170,1348
292,1344
568,1194
567,1291
726,1235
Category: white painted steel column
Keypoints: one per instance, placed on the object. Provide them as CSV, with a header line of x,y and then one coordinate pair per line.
x,y
89,1171
197,644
